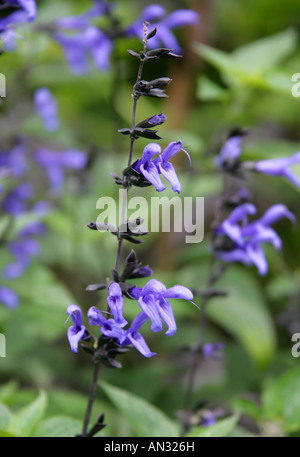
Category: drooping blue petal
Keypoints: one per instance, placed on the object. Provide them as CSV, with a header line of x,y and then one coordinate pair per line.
x,y
151,173
168,172
167,316
181,18
135,338
77,331
115,303
149,306
180,292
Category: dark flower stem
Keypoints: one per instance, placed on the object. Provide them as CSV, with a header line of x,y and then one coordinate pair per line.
x,y
92,396
132,140
126,187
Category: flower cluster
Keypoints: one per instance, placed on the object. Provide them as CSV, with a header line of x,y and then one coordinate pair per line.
x,y
18,194
81,40
236,238
151,169
153,300
25,12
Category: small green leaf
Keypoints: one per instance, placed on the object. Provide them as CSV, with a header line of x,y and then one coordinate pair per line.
x,y
281,400
145,419
5,416
5,434
265,53
220,428
25,420
58,427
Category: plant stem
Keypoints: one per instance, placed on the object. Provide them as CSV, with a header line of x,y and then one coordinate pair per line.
x,y
92,395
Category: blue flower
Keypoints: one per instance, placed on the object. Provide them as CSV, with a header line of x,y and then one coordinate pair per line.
x,y
280,167
87,41
108,327
8,297
230,153
10,22
115,303
16,200
151,169
153,300
210,350
77,331
247,238
27,5
157,16
46,107
54,164
135,338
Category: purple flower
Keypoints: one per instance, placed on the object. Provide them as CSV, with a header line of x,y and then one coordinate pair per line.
x,y
135,338
74,48
27,5
210,350
100,47
77,331
153,299
108,327
15,202
9,297
54,164
279,167
208,419
22,250
166,168
46,107
89,41
151,169
115,303
14,161
230,153
9,23
246,239
157,16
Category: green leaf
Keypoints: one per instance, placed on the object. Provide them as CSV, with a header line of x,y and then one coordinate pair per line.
x,y
145,419
58,427
281,400
5,416
5,434
244,313
220,428
24,421
210,91
264,54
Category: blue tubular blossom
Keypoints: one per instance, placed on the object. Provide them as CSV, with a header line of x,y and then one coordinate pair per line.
x,y
77,331
108,327
229,153
153,300
27,5
87,41
113,327
279,167
8,297
115,303
151,169
247,238
47,109
157,16
212,349
135,338
10,22
54,164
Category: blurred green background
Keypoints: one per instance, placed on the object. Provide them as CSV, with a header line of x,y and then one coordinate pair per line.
x,y
236,71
